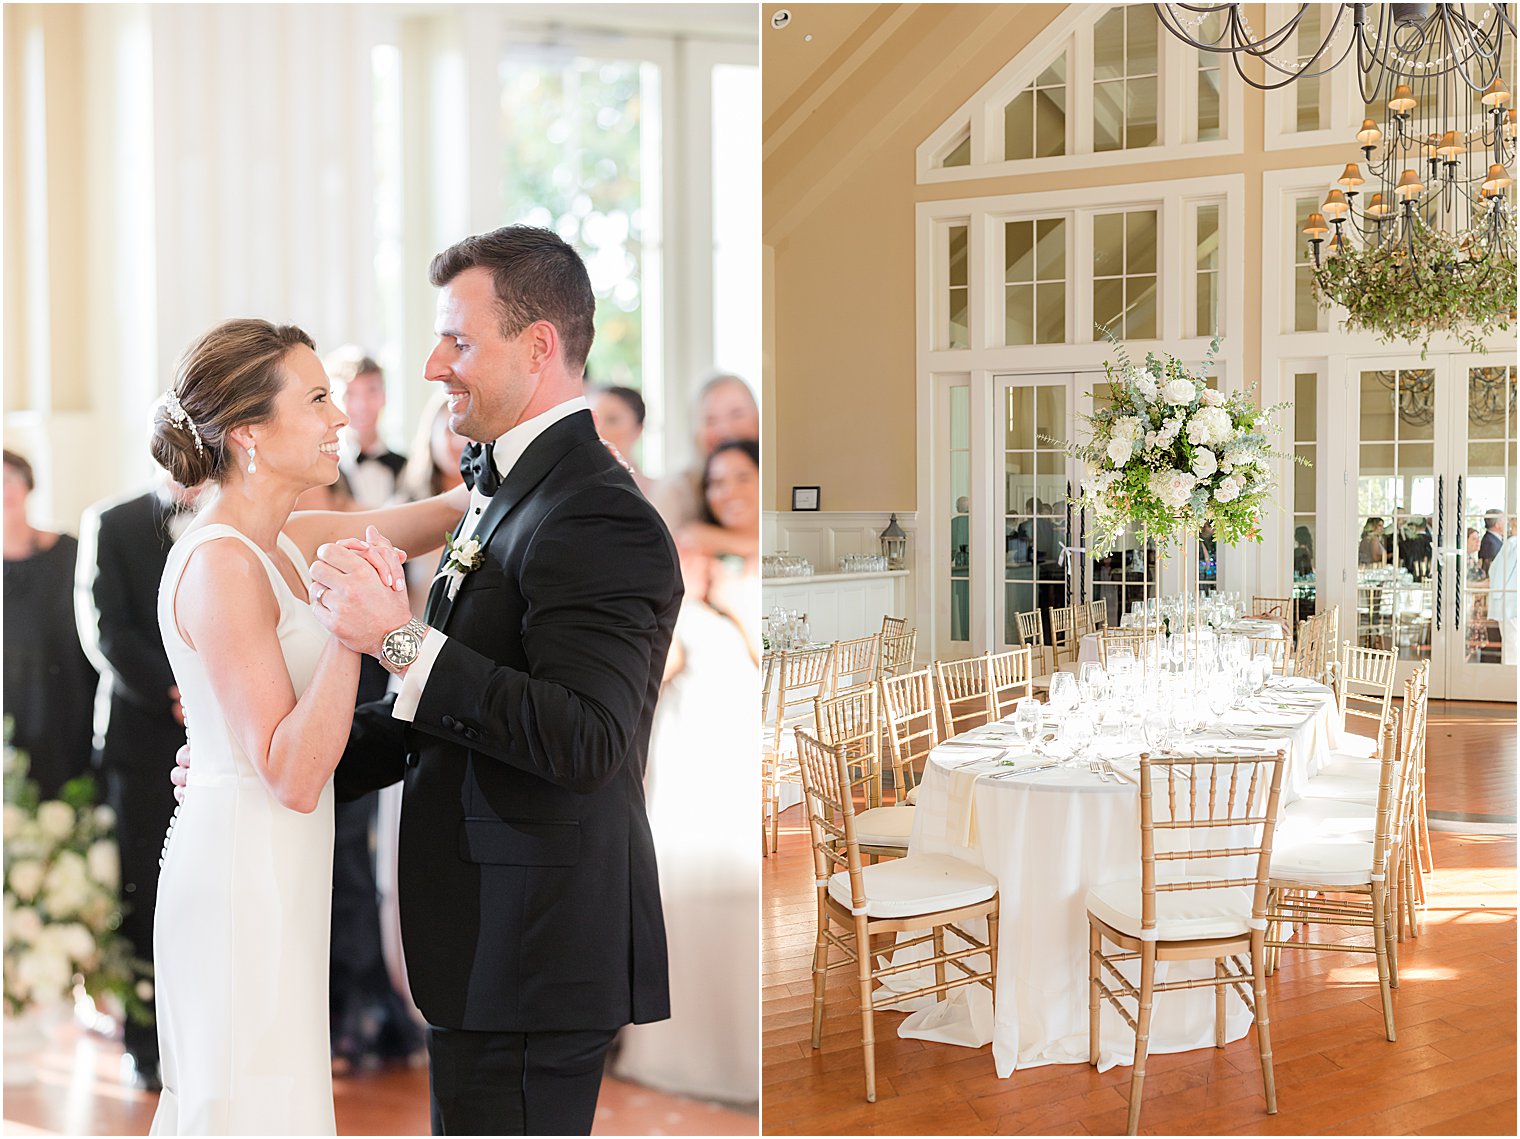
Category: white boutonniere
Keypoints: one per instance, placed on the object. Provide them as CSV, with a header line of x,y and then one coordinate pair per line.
x,y
459,559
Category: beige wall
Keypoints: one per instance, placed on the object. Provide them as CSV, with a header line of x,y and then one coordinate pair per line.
x,y
840,193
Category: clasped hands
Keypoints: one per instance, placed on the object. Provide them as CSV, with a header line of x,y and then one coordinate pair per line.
x,y
358,590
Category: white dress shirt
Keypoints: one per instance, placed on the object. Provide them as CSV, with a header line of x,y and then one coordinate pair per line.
x,y
509,448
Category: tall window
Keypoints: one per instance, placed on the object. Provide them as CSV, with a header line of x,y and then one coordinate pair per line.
x,y
1310,110
958,291
582,142
1034,284
1307,315
1206,309
960,512
1124,274
1305,504
736,219
1034,124
1126,78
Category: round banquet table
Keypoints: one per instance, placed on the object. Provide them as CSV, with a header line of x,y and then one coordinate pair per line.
x,y
1049,836
1090,649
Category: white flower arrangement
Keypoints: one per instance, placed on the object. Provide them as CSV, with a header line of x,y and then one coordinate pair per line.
x,y
459,559
62,905
1170,454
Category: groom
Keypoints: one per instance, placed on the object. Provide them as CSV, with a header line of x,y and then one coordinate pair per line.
x,y
530,910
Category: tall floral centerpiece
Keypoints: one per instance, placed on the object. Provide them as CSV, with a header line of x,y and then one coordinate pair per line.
x,y
62,908
1170,455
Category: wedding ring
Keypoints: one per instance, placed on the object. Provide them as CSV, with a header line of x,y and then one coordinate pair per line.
x,y
320,593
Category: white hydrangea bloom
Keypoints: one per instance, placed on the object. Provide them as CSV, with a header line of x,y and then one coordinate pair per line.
x,y
1229,488
104,862
55,819
1173,487
26,878
1119,450
1147,385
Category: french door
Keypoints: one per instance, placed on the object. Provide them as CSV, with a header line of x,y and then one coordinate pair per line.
x,y
1433,485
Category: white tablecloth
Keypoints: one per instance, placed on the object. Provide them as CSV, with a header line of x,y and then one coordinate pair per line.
x,y
1050,836
1090,650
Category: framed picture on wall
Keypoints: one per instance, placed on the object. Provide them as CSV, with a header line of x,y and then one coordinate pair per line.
x,y
804,498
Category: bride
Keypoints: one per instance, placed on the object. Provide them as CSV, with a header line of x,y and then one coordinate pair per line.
x,y
242,925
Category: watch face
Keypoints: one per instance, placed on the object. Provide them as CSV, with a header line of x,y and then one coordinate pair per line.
x,y
400,647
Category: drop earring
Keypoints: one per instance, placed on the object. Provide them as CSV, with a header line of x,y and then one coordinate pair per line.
x,y
252,466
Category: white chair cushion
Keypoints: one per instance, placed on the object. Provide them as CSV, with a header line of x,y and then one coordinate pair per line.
x,y
884,826
1181,915
912,796
1354,746
1350,787
918,884
1315,820
1323,862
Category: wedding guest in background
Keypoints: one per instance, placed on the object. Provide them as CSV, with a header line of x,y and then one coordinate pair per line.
x,y
1492,540
725,409
371,467
432,469
123,545
49,682
700,782
1504,599
1415,546
619,416
1303,551
1370,550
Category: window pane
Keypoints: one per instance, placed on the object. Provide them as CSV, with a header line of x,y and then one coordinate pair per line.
x,y
958,255
960,154
1140,320
1305,411
1050,406
1050,252
736,217
1140,130
1019,328
1050,314
1305,308
1417,404
1208,237
1140,54
1108,245
1140,242
959,331
1108,305
1018,434
1376,406
1054,75
1108,115
1208,105
1207,316
1018,127
1018,251
1050,122
1108,46
1303,482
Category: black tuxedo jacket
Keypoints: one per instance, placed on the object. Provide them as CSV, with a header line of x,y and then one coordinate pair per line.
x,y
121,561
529,899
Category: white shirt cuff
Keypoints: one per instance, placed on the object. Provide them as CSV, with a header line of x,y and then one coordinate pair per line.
x,y
417,676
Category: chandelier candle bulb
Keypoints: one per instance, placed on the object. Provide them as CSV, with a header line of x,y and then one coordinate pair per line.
x,y
1450,146
1316,228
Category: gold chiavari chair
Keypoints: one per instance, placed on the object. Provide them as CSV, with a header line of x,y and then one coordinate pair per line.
x,y
1099,611
1275,649
1010,678
857,662
1365,691
863,909
1323,875
849,723
907,706
1277,608
1137,642
1171,915
1032,636
964,691
1064,642
802,675
894,626
768,672
897,652
1081,616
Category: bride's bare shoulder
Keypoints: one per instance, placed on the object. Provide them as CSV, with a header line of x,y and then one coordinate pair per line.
x,y
224,580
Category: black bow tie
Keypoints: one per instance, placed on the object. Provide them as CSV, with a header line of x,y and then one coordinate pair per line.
x,y
478,466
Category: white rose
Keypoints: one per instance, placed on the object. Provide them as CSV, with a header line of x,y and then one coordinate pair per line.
x,y
55,819
1119,451
1179,391
1228,489
79,943
14,818
145,990
47,975
24,926
26,879
105,818
104,862
1211,397
1205,462
67,886
1145,384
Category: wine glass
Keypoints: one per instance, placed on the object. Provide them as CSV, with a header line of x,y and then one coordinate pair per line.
x,y
1026,720
1156,729
1217,694
1077,733
1063,692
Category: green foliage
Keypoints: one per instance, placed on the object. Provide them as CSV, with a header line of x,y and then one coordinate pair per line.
x,y
1382,295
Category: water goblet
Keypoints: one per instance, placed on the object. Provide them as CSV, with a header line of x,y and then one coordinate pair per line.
x,y
1077,733
1026,720
1063,692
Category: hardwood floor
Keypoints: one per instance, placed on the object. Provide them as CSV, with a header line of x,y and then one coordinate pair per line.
x,y
1452,1070
79,1092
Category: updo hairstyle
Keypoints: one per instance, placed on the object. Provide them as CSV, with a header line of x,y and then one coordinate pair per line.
x,y
229,377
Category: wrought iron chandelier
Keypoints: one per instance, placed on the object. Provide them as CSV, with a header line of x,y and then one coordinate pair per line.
x,y
1424,239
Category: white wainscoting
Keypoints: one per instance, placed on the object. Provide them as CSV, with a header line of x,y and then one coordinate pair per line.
x,y
825,536
840,607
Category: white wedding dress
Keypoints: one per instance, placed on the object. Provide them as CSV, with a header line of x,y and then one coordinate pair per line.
x,y
240,939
